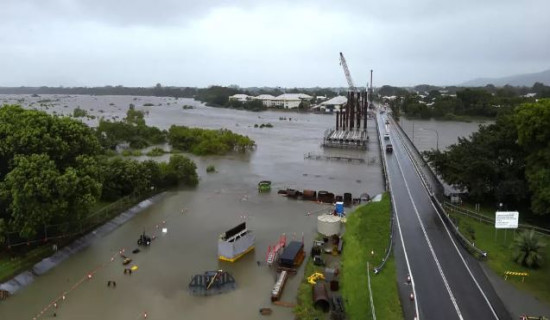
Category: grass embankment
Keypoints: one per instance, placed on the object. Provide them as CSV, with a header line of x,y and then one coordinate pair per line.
x,y
304,309
368,230
500,255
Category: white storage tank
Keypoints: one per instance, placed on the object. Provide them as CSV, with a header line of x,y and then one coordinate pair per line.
x,y
328,224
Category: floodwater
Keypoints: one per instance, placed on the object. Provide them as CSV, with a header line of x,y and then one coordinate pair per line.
x,y
195,217
431,134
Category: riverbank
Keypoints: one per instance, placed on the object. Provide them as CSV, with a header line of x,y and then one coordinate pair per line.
x,y
366,243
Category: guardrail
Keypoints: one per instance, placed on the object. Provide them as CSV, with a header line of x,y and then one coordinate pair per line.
x,y
435,185
387,186
489,220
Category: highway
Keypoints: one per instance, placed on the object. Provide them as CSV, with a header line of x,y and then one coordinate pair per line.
x,y
446,281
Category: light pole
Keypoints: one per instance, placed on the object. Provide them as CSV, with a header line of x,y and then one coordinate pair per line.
x,y
436,136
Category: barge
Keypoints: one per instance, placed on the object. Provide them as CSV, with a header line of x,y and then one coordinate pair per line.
x,y
235,243
273,252
293,256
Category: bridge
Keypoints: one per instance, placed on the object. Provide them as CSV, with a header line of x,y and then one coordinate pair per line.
x,y
446,281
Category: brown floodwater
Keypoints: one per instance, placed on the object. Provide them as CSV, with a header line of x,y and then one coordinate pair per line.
x,y
195,217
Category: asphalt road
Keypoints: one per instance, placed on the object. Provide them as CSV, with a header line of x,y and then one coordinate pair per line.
x,y
447,282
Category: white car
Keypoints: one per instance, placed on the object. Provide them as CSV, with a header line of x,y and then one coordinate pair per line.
x,y
386,136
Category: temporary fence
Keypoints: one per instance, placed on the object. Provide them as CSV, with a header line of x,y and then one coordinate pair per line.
x,y
58,232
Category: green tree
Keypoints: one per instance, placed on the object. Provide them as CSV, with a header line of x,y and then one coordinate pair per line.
x,y
38,193
27,132
183,169
489,165
205,142
528,248
122,177
533,126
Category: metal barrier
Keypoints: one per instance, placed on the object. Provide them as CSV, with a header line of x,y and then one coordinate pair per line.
x,y
72,229
387,187
489,220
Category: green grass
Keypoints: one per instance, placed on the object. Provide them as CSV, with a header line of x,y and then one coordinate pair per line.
x,y
304,309
368,230
500,256
10,266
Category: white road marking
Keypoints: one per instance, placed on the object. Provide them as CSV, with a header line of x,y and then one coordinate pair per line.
x,y
403,244
453,299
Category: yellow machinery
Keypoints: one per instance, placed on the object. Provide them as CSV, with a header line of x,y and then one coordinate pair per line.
x,y
314,277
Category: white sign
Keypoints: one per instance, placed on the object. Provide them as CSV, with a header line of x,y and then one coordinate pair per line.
x,y
506,219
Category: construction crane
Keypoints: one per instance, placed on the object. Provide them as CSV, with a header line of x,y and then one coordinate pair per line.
x,y
346,71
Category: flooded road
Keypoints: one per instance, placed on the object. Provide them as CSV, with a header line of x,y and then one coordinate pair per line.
x,y
195,217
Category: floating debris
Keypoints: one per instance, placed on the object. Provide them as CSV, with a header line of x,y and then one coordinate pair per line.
x,y
212,282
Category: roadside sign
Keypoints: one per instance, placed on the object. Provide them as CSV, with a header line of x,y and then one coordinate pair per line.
x,y
506,219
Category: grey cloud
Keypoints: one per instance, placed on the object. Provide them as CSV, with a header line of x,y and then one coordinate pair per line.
x,y
259,42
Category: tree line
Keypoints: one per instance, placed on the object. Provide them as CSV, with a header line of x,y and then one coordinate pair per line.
x,y
53,170
453,103
505,162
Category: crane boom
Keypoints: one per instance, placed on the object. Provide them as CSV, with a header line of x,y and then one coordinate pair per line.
x,y
346,71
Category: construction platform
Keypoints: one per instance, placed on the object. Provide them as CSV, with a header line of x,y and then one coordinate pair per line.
x,y
312,156
346,139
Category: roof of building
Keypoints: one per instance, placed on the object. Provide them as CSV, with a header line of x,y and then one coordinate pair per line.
x,y
338,100
265,97
240,96
294,96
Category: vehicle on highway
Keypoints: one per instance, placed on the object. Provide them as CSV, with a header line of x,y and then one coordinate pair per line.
x,y
386,136
389,148
387,121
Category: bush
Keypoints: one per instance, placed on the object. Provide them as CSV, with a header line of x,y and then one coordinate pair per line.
x,y
79,113
205,142
155,152
211,168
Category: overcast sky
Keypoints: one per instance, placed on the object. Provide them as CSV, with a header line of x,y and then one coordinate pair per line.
x,y
269,43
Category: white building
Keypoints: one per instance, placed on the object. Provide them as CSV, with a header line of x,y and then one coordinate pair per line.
x,y
266,99
291,100
240,97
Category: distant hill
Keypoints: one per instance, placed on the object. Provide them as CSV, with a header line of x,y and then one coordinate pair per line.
x,y
527,80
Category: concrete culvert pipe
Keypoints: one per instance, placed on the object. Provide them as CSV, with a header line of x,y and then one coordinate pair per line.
x,y
320,297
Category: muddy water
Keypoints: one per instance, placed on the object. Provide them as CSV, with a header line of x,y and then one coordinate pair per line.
x,y
195,218
424,133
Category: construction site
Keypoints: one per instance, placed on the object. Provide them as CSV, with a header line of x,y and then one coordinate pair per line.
x,y
350,131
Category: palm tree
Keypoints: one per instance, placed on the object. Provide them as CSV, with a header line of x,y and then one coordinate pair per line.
x,y
528,249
